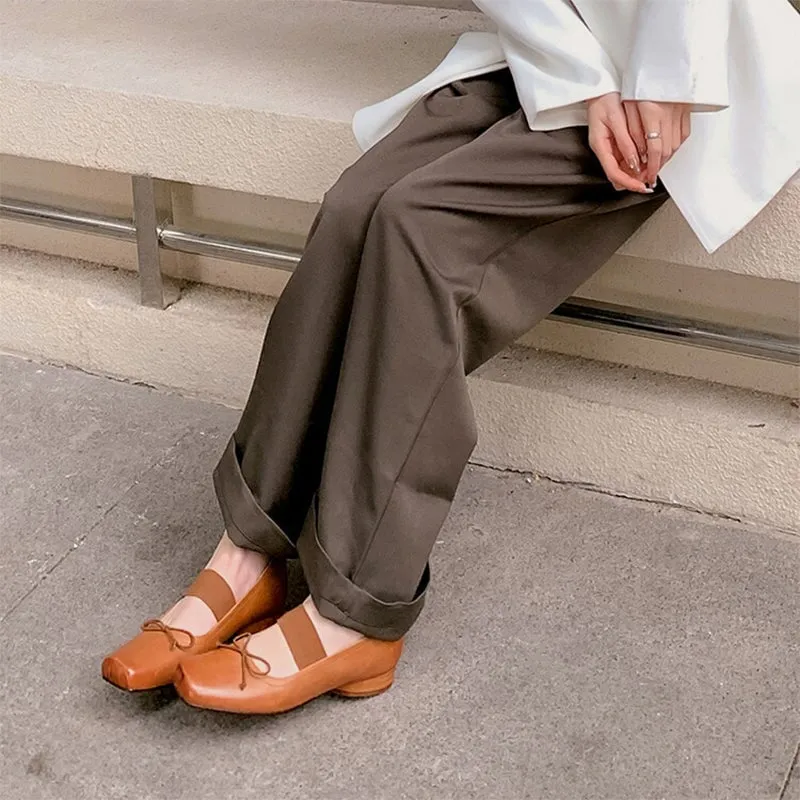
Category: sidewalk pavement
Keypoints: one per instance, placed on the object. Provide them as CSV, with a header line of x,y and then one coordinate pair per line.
x,y
576,646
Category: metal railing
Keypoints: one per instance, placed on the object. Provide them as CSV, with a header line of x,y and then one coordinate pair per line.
x,y
152,229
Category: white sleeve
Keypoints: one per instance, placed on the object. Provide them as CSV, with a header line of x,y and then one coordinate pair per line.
x,y
680,53
555,59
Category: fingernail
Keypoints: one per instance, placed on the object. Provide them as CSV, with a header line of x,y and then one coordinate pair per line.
x,y
644,158
633,165
655,183
648,191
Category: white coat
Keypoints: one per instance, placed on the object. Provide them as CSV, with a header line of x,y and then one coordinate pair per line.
x,y
736,60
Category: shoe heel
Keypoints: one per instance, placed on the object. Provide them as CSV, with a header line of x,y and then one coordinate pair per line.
x,y
369,687
257,625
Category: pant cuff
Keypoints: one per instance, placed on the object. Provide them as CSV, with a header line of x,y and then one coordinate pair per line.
x,y
248,525
341,601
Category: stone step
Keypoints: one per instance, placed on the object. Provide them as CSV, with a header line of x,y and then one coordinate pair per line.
x,y
260,100
619,429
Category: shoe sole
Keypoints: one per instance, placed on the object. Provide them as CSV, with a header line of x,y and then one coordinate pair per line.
x,y
357,690
371,687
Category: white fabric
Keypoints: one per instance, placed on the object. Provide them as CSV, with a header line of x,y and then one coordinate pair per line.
x,y
734,58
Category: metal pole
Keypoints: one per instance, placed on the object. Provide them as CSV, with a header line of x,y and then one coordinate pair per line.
x,y
67,220
202,244
681,330
665,327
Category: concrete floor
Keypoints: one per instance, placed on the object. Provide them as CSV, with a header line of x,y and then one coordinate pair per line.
x,y
575,645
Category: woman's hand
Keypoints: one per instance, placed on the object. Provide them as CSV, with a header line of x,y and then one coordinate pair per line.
x,y
658,129
613,144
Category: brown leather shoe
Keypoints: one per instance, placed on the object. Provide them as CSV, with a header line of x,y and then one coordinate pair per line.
x,y
150,659
232,679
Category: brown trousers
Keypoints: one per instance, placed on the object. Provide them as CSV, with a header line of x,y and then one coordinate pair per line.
x,y
438,248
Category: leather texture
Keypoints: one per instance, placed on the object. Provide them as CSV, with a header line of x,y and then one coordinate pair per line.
x,y
219,681
150,659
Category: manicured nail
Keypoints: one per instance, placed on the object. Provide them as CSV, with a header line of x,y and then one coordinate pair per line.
x,y
633,165
644,158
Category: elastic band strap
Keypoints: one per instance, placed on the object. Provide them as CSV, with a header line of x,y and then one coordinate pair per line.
x,y
302,637
212,589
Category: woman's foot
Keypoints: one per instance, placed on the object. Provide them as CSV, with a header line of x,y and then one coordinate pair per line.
x,y
272,644
301,657
238,567
239,590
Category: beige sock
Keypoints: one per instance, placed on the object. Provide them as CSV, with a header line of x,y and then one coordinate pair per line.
x,y
271,645
239,567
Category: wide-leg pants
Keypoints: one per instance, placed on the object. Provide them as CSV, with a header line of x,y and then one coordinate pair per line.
x,y
442,245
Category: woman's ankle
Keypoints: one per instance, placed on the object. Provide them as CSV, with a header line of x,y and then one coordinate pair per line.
x,y
239,566
334,637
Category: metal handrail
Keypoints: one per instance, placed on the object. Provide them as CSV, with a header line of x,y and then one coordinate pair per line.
x,y
68,219
204,244
652,324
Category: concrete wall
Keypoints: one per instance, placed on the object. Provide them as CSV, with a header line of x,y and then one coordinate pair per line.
x,y
248,115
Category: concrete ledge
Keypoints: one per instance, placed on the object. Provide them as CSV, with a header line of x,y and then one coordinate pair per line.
x,y
641,434
768,248
260,100
622,429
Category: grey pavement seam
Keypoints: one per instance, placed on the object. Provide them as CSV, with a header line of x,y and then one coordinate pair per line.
x,y
789,772
591,487
78,542
156,387
47,362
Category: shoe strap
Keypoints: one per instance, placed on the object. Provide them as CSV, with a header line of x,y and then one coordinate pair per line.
x,y
212,589
302,637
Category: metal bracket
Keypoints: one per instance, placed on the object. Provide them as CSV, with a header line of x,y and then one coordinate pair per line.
x,y
152,211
